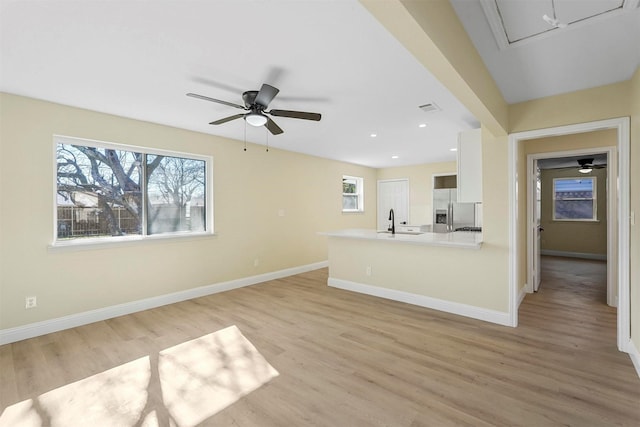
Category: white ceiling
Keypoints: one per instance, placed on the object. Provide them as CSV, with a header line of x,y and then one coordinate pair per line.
x,y
599,46
139,59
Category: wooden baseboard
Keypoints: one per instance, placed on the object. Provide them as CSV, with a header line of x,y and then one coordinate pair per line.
x,y
493,316
61,323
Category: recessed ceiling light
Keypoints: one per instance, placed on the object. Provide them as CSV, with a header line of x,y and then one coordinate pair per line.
x,y
453,149
373,135
395,157
422,125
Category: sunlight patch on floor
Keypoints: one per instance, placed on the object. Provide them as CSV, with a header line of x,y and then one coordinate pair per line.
x,y
111,398
202,377
195,379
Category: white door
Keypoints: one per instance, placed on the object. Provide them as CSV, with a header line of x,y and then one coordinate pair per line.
x,y
537,231
393,194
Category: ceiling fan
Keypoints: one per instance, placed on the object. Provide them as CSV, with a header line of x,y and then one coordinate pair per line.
x,y
256,103
586,165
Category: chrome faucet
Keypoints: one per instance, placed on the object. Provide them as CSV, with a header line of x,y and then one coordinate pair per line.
x,y
392,218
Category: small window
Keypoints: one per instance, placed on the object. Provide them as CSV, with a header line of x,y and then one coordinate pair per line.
x,y
105,190
574,199
352,194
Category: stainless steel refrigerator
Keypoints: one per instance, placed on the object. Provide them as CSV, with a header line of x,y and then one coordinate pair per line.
x,y
448,214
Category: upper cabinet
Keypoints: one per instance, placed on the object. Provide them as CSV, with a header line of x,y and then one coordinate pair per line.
x,y
470,166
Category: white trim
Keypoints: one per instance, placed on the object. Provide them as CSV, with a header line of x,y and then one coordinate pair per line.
x,y
634,354
521,294
61,323
514,253
582,255
532,225
493,316
622,126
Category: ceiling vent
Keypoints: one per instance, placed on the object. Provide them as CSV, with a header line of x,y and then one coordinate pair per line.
x,y
430,107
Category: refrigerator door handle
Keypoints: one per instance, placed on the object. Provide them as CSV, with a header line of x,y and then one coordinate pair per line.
x,y
450,218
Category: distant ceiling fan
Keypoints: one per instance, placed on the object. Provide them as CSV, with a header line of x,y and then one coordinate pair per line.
x,y
256,103
586,165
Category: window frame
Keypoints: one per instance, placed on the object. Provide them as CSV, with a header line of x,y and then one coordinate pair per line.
x,y
102,241
359,193
594,199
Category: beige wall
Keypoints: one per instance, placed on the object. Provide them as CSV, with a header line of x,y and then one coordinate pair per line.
x,y
250,188
582,237
420,187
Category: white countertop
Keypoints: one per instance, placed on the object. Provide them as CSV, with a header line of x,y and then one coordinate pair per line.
x,y
459,239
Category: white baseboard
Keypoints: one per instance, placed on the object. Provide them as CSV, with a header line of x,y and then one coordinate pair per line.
x,y
58,324
493,316
634,354
599,257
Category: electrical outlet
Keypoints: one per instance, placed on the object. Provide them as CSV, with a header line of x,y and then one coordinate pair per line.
x,y
256,262
30,302
368,270
280,212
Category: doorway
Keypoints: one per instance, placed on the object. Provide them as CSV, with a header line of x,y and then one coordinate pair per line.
x,y
517,241
578,210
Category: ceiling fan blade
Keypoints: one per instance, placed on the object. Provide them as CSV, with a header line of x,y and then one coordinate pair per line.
x,y
273,127
227,119
266,95
206,98
296,114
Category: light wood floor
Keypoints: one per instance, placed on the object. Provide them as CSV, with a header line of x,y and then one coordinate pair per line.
x,y
347,359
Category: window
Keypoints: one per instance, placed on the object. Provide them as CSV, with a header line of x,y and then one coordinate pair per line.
x,y
352,194
574,199
105,190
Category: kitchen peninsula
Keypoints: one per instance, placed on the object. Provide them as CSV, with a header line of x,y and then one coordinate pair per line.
x,y
468,240
442,271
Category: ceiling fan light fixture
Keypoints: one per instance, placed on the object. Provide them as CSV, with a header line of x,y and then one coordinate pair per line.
x,y
256,119
585,170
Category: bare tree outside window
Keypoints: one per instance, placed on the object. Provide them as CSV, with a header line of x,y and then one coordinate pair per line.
x,y
101,192
175,193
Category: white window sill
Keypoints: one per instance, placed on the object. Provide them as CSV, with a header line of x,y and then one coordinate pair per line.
x,y
352,211
84,244
576,220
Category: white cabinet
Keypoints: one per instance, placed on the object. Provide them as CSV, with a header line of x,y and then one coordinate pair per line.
x,y
470,166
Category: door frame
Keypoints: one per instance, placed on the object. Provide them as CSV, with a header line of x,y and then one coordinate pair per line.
x,y
533,226
622,125
611,208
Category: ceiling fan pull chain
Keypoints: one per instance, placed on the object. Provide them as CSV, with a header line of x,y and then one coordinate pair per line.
x,y
245,136
267,133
